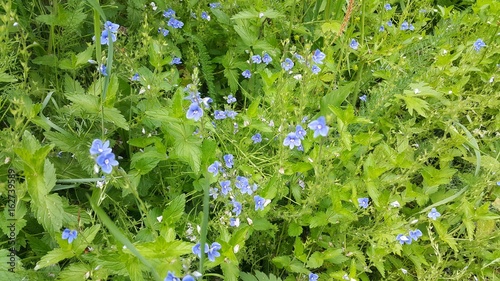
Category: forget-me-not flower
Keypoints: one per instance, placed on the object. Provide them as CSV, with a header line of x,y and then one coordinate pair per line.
x,y
434,214
237,207
188,278
292,140
256,138
318,56
231,99
299,58
176,60
256,59
229,159
98,147
225,187
214,192
313,277
266,58
405,26
403,239
163,31
197,249
382,28
247,74
479,44
354,44
315,69
363,98
287,64
106,161
415,234
103,70
319,127
214,168
363,202
135,77
241,182
105,37
219,115
215,5
69,234
389,23
213,251
234,222
194,112
112,27
259,202
387,7
169,13
171,277
231,114
300,132
175,23
205,16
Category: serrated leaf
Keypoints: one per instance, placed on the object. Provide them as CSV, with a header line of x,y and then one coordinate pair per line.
x,y
84,57
246,15
414,103
75,271
54,257
232,78
48,60
262,224
294,229
174,211
114,116
48,211
315,260
146,161
230,270
187,147
49,175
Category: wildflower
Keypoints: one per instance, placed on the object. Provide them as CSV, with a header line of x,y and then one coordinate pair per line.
x,y
404,25
92,61
215,5
174,23
69,234
256,138
246,73
214,168
479,44
188,278
403,239
363,98
415,234
313,277
103,70
292,140
98,147
231,114
287,64
205,16
194,112
197,251
387,7
176,60
319,127
395,204
498,183
259,202
229,159
214,192
135,77
256,59
404,271
318,56
163,31
304,119
219,115
299,58
363,202
105,37
170,277
212,251
300,132
315,69
389,23
434,214
234,222
354,44
112,27
411,28
241,183
168,13
106,161
153,6
266,58
206,102
382,28
225,187
231,99
236,207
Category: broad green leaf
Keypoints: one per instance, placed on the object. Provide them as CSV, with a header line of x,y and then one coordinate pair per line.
x,y
315,260
114,116
146,161
75,271
231,271
262,224
174,210
294,229
7,78
247,33
54,257
187,147
414,103
48,60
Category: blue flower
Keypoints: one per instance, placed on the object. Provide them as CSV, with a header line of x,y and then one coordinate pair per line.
x,y
229,159
498,183
225,187
169,13
194,112
231,99
363,202
215,5
411,27
241,183
415,234
259,202
405,26
300,132
315,69
69,234
256,138
256,59
292,140
231,114
112,27
382,28
387,7
98,147
106,161
213,251
176,60
174,23
163,31
389,23
205,16
434,214
105,37
354,44
246,73
479,44
197,251
188,278
135,77
214,168
299,58
236,207
103,70
313,277
266,58
318,56
319,127
234,222
403,239
219,115
287,64
363,98
171,277
214,192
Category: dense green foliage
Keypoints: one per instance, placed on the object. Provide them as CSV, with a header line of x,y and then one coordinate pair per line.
x,y
393,174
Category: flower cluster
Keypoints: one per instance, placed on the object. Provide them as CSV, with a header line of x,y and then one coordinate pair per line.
x,y
294,139
172,21
228,113
412,236
406,26
110,29
105,157
70,235
212,251
317,57
195,110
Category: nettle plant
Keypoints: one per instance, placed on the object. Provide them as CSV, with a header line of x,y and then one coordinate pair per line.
x,y
320,140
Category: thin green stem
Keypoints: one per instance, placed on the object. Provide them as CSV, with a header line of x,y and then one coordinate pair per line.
x,y
204,223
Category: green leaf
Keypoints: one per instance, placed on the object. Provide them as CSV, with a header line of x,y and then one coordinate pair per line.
x,y
187,147
315,260
230,270
262,224
146,161
84,57
54,257
48,60
114,116
173,213
414,103
232,78
48,210
336,97
294,229
248,33
75,271
7,78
